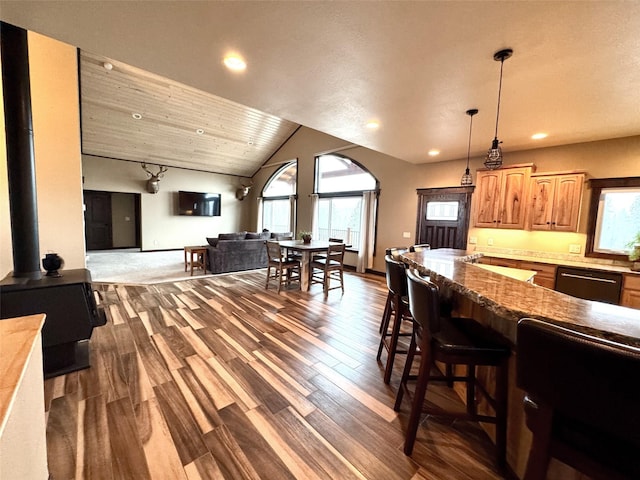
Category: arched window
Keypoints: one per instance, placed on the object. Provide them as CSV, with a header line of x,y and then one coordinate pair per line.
x,y
340,185
278,199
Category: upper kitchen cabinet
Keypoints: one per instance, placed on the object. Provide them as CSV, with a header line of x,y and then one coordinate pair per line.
x,y
555,202
500,197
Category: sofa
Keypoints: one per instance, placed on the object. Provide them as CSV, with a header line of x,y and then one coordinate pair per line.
x,y
234,252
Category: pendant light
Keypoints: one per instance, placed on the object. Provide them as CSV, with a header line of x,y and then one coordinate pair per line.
x,y
494,155
467,179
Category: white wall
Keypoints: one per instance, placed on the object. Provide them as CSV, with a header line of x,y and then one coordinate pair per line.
x,y
161,226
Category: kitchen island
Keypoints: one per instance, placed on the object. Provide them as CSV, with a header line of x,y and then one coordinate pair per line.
x,y
498,302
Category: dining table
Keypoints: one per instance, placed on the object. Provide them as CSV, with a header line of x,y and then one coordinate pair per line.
x,y
306,250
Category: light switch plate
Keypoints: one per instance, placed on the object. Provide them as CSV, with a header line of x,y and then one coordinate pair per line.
x,y
490,241
473,240
406,234
574,248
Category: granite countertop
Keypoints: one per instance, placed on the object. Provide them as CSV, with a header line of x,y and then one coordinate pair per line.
x,y
579,262
512,299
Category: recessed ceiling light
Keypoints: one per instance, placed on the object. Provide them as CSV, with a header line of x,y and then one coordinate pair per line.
x,y
433,152
200,131
137,116
539,136
235,62
373,124
107,66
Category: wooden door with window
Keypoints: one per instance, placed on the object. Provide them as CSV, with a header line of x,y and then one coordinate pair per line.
x,y
443,216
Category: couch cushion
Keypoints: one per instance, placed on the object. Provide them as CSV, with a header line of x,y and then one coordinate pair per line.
x,y
213,241
253,235
232,236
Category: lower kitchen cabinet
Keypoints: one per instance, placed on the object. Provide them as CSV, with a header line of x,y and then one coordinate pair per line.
x,y
631,291
546,273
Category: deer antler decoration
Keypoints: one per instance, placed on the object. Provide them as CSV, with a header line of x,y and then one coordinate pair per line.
x,y
243,191
153,184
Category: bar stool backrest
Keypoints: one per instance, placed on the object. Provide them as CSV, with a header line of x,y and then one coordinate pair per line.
x,y
591,384
396,276
419,248
395,251
424,304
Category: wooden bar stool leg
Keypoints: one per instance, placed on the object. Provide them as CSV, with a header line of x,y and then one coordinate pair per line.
x,y
501,398
395,335
418,401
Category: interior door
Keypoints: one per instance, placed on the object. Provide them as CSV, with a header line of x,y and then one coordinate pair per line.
x,y
443,216
97,220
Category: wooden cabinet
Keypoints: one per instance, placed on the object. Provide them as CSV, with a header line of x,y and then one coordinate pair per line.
x,y
545,273
631,291
500,197
555,202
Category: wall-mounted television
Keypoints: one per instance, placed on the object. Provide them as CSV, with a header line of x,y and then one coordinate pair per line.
x,y
199,204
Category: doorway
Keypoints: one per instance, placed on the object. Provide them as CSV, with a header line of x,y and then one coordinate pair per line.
x,y
443,216
112,220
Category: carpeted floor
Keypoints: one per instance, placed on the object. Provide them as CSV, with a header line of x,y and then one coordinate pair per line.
x,y
133,266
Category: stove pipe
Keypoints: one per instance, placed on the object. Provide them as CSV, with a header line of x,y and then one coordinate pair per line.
x,y
20,152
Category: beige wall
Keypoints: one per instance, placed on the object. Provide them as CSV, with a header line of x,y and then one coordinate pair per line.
x,y
399,180
56,128
161,227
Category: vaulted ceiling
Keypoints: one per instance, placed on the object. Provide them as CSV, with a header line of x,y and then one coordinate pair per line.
x,y
415,67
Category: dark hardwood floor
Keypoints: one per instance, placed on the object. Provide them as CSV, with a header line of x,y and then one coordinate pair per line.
x,y
219,378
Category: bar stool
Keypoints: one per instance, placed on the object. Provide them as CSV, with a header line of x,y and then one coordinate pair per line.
x,y
394,252
582,401
458,341
398,308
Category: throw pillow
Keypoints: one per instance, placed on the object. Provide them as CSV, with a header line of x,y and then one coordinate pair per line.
x,y
232,236
253,236
212,241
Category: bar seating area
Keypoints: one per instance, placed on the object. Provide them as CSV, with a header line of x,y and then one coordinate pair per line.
x,y
396,309
286,270
581,401
452,341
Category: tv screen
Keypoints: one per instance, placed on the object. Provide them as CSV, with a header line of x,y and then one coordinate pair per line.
x,y
199,204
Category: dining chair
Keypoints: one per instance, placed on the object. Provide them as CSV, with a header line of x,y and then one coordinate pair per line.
x,y
323,254
581,401
456,341
286,270
398,310
325,270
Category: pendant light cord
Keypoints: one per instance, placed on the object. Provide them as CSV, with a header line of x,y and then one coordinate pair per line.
x,y
499,95
469,146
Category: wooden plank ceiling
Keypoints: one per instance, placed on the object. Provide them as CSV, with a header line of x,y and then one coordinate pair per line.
x,y
234,139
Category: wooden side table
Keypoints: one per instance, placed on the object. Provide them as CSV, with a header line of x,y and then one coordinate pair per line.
x,y
196,257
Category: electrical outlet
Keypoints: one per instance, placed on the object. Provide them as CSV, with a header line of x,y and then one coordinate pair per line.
x,y
574,248
406,234
473,240
489,241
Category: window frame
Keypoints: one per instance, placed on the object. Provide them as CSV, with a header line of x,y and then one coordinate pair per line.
x,y
597,185
274,175
351,193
